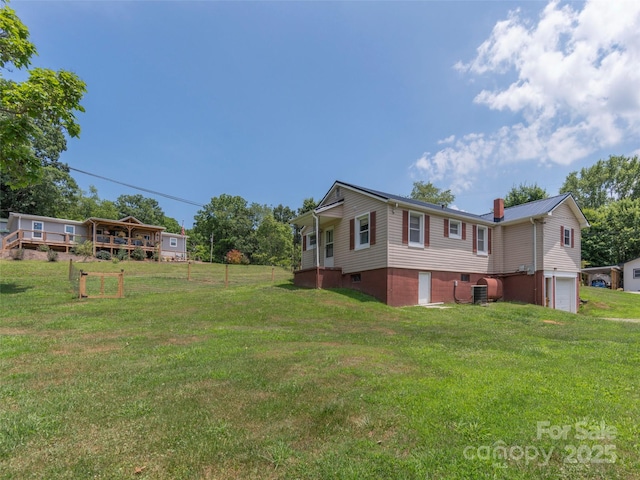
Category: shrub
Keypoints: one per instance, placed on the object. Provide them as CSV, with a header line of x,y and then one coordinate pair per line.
x,y
103,255
234,257
43,248
84,249
138,254
52,255
17,254
122,254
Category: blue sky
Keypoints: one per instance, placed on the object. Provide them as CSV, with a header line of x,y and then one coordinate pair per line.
x,y
273,101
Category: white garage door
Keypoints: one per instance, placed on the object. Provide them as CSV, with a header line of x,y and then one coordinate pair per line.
x,y
566,294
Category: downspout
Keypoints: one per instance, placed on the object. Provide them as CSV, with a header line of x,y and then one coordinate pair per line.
x,y
535,263
317,227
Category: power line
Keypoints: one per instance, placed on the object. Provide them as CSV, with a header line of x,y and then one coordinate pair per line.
x,y
165,195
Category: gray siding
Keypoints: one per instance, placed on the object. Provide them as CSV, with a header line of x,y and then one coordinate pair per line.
x,y
517,246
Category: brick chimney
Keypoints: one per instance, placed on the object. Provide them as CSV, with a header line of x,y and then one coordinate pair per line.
x,y
498,210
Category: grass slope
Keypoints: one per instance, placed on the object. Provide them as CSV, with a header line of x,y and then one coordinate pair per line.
x,y
268,381
602,302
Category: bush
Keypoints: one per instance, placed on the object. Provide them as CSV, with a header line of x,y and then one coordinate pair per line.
x,y
236,257
103,255
43,248
84,249
52,255
17,254
122,254
138,254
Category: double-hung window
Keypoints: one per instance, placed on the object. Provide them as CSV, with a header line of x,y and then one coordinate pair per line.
x,y
567,237
362,231
455,229
70,230
38,227
636,273
416,229
481,240
173,242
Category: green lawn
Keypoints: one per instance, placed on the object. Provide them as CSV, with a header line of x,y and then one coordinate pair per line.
x,y
602,302
263,380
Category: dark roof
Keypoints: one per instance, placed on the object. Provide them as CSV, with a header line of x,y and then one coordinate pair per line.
x,y
530,209
518,212
417,203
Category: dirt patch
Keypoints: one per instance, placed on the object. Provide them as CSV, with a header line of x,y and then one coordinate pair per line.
x,y
42,256
552,322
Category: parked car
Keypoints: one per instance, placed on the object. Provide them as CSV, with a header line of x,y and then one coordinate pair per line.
x,y
598,282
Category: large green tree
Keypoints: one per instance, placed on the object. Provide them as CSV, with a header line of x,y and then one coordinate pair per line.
x,y
428,192
54,194
230,220
606,181
91,205
274,243
145,209
36,113
524,193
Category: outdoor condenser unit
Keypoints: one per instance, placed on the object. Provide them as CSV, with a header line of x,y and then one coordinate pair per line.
x,y
479,293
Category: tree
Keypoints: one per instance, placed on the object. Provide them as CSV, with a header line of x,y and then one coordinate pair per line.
x,y
274,243
614,235
230,221
145,209
524,193
283,214
90,205
35,113
427,192
55,194
606,181
308,204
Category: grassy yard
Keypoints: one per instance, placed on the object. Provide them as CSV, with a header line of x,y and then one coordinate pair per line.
x,y
263,380
602,302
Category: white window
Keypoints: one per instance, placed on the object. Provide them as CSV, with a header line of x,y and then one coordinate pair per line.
x,y
173,242
362,231
312,241
416,229
37,229
481,240
636,273
455,229
328,244
71,231
567,237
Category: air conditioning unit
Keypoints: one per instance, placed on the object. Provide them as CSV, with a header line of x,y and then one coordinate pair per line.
x,y
479,293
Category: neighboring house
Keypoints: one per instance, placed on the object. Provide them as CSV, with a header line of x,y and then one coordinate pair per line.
x,y
31,231
608,276
632,276
407,252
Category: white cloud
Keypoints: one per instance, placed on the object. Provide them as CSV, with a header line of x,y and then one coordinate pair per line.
x,y
576,89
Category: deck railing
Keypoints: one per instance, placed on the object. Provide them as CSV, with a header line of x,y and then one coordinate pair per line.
x,y
53,239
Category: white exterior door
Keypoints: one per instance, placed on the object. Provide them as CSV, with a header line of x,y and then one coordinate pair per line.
x,y
424,288
566,294
38,227
328,247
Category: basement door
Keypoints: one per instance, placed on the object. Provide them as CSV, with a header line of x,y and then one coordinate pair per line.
x,y
424,288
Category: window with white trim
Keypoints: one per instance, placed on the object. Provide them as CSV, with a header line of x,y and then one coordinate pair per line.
x,y
312,240
455,229
362,231
328,243
38,227
481,240
567,237
636,273
416,229
71,231
173,242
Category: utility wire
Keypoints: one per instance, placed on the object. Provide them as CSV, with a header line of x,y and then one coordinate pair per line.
x,y
165,195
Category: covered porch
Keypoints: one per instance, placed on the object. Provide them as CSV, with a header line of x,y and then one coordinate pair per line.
x,y
124,234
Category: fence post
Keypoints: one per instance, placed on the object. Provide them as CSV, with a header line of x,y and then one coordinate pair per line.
x,y
189,272
82,285
226,275
70,269
121,284
273,278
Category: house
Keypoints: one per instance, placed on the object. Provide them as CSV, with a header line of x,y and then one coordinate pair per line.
x,y
607,276
632,276
407,252
129,233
